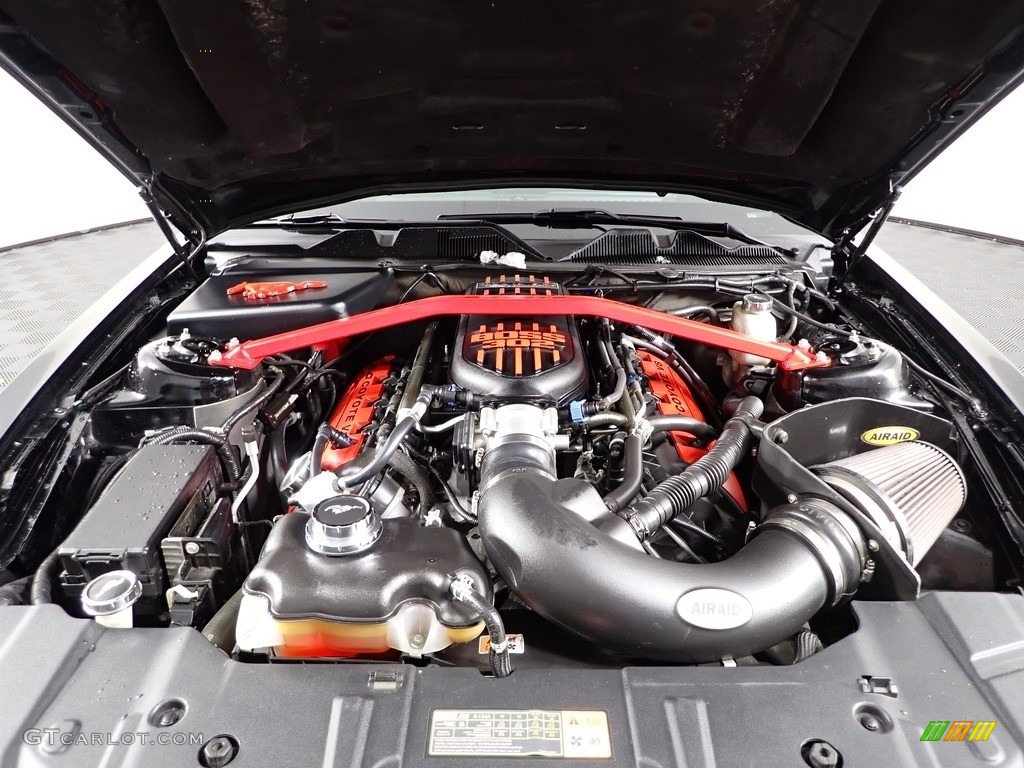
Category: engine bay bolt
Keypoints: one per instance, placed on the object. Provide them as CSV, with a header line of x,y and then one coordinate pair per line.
x,y
218,752
781,437
961,526
191,548
168,718
792,498
870,722
751,527
167,713
821,754
872,545
417,641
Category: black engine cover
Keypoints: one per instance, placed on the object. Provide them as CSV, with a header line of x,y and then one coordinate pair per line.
x,y
520,358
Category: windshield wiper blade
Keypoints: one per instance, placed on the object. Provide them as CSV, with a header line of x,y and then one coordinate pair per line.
x,y
569,218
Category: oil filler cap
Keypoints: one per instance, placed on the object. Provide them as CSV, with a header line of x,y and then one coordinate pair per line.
x,y
342,525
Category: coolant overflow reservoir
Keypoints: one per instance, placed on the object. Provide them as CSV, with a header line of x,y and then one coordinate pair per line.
x,y
393,594
753,316
342,525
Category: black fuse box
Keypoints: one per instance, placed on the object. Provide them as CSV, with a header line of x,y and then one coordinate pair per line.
x,y
124,529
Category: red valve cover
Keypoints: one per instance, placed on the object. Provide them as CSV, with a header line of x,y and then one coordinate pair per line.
x,y
355,411
674,399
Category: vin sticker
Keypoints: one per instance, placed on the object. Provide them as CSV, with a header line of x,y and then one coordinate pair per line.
x,y
516,644
519,733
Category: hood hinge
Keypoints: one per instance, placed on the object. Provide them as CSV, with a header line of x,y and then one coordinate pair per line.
x,y
844,253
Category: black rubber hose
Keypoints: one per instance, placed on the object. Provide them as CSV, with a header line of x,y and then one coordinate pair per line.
x,y
696,309
682,521
353,475
453,500
695,427
613,594
220,630
615,364
663,349
324,435
677,494
42,582
254,405
407,467
633,475
316,456
791,301
607,419
499,658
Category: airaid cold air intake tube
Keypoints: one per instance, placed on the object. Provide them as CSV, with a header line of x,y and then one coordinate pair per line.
x,y
806,556
911,491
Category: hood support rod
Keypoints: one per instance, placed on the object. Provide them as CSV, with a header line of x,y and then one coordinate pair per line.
x,y
879,218
196,236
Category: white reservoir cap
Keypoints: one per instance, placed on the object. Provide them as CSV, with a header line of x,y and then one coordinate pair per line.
x,y
110,597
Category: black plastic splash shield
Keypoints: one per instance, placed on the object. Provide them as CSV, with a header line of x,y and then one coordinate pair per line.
x,y
951,656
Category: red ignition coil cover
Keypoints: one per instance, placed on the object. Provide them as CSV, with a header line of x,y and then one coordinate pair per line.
x,y
355,411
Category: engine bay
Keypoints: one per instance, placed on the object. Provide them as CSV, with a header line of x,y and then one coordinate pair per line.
x,y
422,469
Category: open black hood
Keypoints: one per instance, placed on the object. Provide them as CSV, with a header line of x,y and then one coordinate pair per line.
x,y
235,110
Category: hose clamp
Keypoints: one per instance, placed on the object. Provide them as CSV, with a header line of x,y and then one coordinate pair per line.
x,y
461,588
643,429
832,537
576,412
638,525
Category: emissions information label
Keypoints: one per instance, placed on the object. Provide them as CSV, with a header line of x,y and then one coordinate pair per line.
x,y
519,733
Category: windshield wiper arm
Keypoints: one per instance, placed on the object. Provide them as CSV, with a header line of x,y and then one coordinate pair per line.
x,y
570,218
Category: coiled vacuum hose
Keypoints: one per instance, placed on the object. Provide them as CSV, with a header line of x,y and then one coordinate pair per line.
x,y
677,494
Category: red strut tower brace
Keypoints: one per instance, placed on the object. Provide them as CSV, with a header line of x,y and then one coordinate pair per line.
x,y
249,354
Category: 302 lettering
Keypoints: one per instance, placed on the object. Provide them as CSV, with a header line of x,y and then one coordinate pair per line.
x,y
518,339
